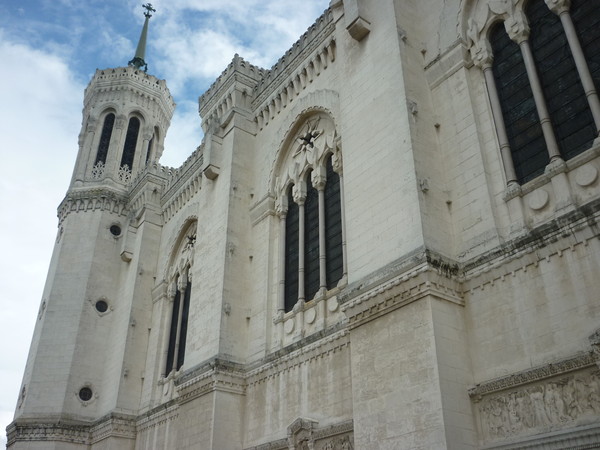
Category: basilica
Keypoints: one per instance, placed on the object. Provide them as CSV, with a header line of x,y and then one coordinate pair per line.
x,y
387,240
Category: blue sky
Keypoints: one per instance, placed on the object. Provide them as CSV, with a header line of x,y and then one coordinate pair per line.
x,y
49,50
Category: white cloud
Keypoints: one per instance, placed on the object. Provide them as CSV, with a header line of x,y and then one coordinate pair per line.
x,y
40,114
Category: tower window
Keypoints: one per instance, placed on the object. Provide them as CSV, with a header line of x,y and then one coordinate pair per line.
x,y
130,143
85,394
107,128
317,267
178,329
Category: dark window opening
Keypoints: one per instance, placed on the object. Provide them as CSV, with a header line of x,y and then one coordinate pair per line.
x,y
568,107
173,333
291,253
528,147
85,394
311,241
107,129
130,143
334,266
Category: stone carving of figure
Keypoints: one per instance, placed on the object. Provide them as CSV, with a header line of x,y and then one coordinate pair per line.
x,y
539,408
555,406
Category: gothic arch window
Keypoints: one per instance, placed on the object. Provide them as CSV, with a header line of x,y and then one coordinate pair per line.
x,y
179,295
540,61
309,202
107,128
151,150
131,138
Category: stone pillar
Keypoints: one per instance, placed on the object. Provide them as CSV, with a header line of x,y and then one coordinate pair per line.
x,y
518,31
561,8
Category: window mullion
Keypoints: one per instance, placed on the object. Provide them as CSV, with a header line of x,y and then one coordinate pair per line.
x,y
505,151
580,62
540,101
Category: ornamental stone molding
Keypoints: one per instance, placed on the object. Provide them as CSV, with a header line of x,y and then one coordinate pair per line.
x,y
305,433
92,200
562,395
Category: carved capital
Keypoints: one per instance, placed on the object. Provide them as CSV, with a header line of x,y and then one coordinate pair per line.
x,y
281,206
92,124
120,122
482,55
319,178
517,27
299,192
558,6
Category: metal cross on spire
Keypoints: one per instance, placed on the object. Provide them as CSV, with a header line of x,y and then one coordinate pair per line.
x,y
138,60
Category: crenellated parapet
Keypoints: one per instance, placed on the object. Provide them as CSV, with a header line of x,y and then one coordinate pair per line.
x,y
312,54
232,90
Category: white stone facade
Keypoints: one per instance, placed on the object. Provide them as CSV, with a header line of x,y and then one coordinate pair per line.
x,y
467,315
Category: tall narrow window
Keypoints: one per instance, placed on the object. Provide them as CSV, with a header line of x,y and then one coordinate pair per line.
x,y
333,227
107,128
291,252
183,325
311,241
173,332
130,143
178,330
571,117
522,122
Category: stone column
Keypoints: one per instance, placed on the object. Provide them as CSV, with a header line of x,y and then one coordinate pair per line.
x,y
86,155
281,210
299,193
483,58
518,31
165,342
114,151
318,180
561,8
181,285
336,162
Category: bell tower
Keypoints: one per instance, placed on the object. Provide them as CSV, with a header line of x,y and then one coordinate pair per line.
x,y
126,114
85,364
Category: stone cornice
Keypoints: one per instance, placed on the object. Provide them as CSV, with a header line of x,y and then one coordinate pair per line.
x,y
113,425
92,199
140,83
337,341
76,433
164,413
576,362
215,375
430,275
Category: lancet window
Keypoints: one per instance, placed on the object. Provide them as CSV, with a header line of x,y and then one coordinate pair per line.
x,y
179,296
310,209
541,60
107,128
131,138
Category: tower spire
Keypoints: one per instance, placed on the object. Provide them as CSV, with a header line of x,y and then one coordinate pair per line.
x,y
138,60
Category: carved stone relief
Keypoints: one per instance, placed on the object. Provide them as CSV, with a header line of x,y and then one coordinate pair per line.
x,y
546,406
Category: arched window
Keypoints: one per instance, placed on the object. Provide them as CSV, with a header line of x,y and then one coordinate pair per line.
x,y
131,138
312,253
179,296
178,329
543,89
107,128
